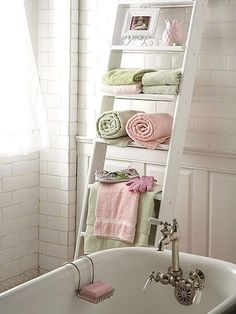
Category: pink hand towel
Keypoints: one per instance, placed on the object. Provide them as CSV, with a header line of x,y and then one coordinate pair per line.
x,y
150,129
116,212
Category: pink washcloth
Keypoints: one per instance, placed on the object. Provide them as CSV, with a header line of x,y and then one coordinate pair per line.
x,y
116,212
150,129
143,184
123,89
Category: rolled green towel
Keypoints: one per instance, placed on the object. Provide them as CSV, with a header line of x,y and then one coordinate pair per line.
x,y
123,76
162,77
111,126
161,89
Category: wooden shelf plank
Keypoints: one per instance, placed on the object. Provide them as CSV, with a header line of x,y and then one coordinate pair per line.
x,y
159,2
141,96
149,49
99,140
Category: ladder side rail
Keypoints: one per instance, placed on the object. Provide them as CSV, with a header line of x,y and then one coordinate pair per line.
x,y
95,163
182,110
99,149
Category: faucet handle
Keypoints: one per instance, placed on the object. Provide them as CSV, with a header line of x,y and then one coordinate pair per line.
x,y
155,221
149,280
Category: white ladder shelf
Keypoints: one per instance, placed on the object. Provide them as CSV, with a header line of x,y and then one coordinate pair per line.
x,y
182,107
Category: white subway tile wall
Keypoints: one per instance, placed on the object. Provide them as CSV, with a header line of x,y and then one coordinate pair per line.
x,y
19,202
213,113
58,66
37,191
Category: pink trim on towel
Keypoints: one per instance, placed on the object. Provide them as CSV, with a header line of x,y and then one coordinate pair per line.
x,y
116,212
150,129
123,89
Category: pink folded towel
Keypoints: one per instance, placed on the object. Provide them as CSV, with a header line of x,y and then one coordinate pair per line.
x,y
150,129
123,89
116,212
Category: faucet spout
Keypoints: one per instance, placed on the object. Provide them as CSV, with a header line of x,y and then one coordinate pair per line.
x,y
171,234
188,290
175,236
165,238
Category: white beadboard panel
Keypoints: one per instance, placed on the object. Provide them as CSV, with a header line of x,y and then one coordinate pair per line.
x,y
113,165
222,216
200,201
183,209
199,221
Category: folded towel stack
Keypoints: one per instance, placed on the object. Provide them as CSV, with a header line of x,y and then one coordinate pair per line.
x,y
163,82
124,81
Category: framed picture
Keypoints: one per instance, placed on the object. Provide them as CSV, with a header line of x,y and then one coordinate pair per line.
x,y
140,22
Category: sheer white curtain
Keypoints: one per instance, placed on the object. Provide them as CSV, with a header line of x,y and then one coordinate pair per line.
x,y
23,127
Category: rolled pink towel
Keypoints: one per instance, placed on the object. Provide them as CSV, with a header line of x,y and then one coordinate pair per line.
x,y
150,129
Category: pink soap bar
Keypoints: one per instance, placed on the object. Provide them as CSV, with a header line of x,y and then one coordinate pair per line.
x,y
95,289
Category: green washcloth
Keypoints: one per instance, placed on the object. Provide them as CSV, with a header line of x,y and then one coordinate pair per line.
x,y
124,76
145,210
111,126
162,77
161,89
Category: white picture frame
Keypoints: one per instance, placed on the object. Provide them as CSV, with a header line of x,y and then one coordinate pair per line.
x,y
140,22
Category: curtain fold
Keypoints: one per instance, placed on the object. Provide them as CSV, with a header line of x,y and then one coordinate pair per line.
x,y
23,126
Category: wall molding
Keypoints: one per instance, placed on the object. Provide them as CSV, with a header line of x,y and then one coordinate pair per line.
x,y
192,159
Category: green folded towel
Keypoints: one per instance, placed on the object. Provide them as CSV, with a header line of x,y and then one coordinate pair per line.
x,y
162,77
161,89
145,210
111,126
124,76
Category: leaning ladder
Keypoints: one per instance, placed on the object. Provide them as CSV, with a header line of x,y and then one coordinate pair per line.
x,y
182,107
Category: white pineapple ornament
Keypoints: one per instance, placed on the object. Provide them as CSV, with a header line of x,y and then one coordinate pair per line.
x,y
173,33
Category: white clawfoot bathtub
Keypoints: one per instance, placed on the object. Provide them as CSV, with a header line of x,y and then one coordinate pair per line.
x,y
126,269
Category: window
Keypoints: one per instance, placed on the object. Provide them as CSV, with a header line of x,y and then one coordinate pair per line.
x,y
23,127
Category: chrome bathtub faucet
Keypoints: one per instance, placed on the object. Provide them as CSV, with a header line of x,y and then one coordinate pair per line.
x,y
187,290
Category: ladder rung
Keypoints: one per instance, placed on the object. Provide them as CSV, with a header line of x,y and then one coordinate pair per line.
x,y
134,144
157,196
151,97
149,49
159,3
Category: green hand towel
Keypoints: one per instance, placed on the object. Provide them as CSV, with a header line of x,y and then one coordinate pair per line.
x,y
124,76
145,210
111,126
161,89
162,77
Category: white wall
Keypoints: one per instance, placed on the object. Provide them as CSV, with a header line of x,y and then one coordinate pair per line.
x,y
212,121
37,191
19,198
58,61
208,178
